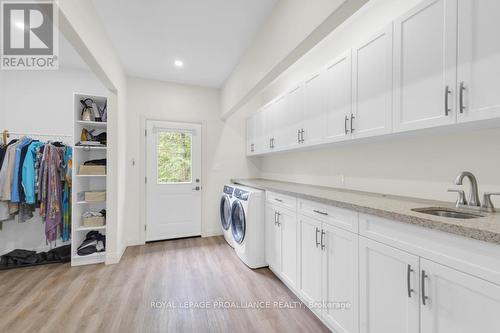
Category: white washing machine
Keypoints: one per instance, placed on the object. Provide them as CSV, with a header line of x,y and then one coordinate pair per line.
x,y
226,203
247,226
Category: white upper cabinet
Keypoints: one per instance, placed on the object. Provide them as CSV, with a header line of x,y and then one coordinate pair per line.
x,y
314,129
372,86
455,302
260,131
338,98
478,59
294,116
425,66
251,135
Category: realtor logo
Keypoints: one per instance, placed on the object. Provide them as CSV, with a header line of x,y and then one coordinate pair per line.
x,y
29,37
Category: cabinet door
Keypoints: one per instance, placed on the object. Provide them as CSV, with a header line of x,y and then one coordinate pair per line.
x,y
288,227
314,109
372,86
337,86
273,240
260,131
251,134
457,302
478,59
294,116
340,279
277,117
310,260
386,278
425,66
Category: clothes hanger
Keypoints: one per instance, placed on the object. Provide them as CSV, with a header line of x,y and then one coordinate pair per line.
x,y
6,135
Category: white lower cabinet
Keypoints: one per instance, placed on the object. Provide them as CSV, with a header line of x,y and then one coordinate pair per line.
x,y
310,260
281,242
456,302
273,239
388,289
329,273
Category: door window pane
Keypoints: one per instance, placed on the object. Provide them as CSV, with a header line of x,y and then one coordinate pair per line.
x,y
174,163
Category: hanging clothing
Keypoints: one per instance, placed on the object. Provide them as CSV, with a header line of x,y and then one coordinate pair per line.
x,y
51,191
66,198
29,171
14,196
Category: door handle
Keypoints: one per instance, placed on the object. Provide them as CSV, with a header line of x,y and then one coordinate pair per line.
x,y
352,118
447,93
317,231
461,98
346,131
275,217
197,188
409,270
278,218
424,297
302,136
320,212
322,234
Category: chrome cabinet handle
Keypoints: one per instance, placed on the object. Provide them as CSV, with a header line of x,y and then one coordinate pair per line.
x,y
298,136
346,131
279,200
322,234
317,231
409,270
461,98
447,93
278,218
275,217
302,136
320,212
352,118
424,297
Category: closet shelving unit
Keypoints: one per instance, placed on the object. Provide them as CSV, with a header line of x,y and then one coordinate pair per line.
x,y
82,183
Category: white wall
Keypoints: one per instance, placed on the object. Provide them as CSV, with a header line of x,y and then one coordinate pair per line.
x,y
424,166
223,145
290,30
39,102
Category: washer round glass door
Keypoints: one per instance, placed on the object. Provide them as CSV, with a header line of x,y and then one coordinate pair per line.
x,y
238,223
225,212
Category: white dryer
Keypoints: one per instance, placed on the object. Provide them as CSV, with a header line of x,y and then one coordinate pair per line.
x,y
247,226
226,203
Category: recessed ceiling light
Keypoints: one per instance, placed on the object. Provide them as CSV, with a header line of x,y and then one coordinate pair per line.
x,y
178,63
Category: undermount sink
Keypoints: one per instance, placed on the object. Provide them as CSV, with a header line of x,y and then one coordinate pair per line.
x,y
447,212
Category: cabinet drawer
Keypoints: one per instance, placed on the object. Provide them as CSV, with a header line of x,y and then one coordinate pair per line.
x,y
282,200
339,217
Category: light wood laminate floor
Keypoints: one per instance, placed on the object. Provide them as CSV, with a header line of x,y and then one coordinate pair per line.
x,y
117,298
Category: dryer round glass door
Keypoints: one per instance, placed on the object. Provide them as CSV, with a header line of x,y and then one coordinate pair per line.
x,y
225,212
238,223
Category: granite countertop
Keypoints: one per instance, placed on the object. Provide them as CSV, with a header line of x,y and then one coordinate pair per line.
x,y
392,207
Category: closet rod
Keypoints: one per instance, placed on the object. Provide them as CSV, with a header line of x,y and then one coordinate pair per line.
x,y
53,137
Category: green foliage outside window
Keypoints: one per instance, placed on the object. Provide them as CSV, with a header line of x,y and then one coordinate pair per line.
x,y
174,157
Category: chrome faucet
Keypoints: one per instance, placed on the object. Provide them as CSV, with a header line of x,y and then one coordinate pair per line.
x,y
474,193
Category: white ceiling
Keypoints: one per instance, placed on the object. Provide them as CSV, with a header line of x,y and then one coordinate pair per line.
x,y
209,36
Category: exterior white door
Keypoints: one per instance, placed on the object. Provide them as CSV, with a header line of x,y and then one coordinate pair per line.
x,y
425,66
372,86
273,239
478,60
340,279
173,180
456,302
389,289
288,229
310,260
338,97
